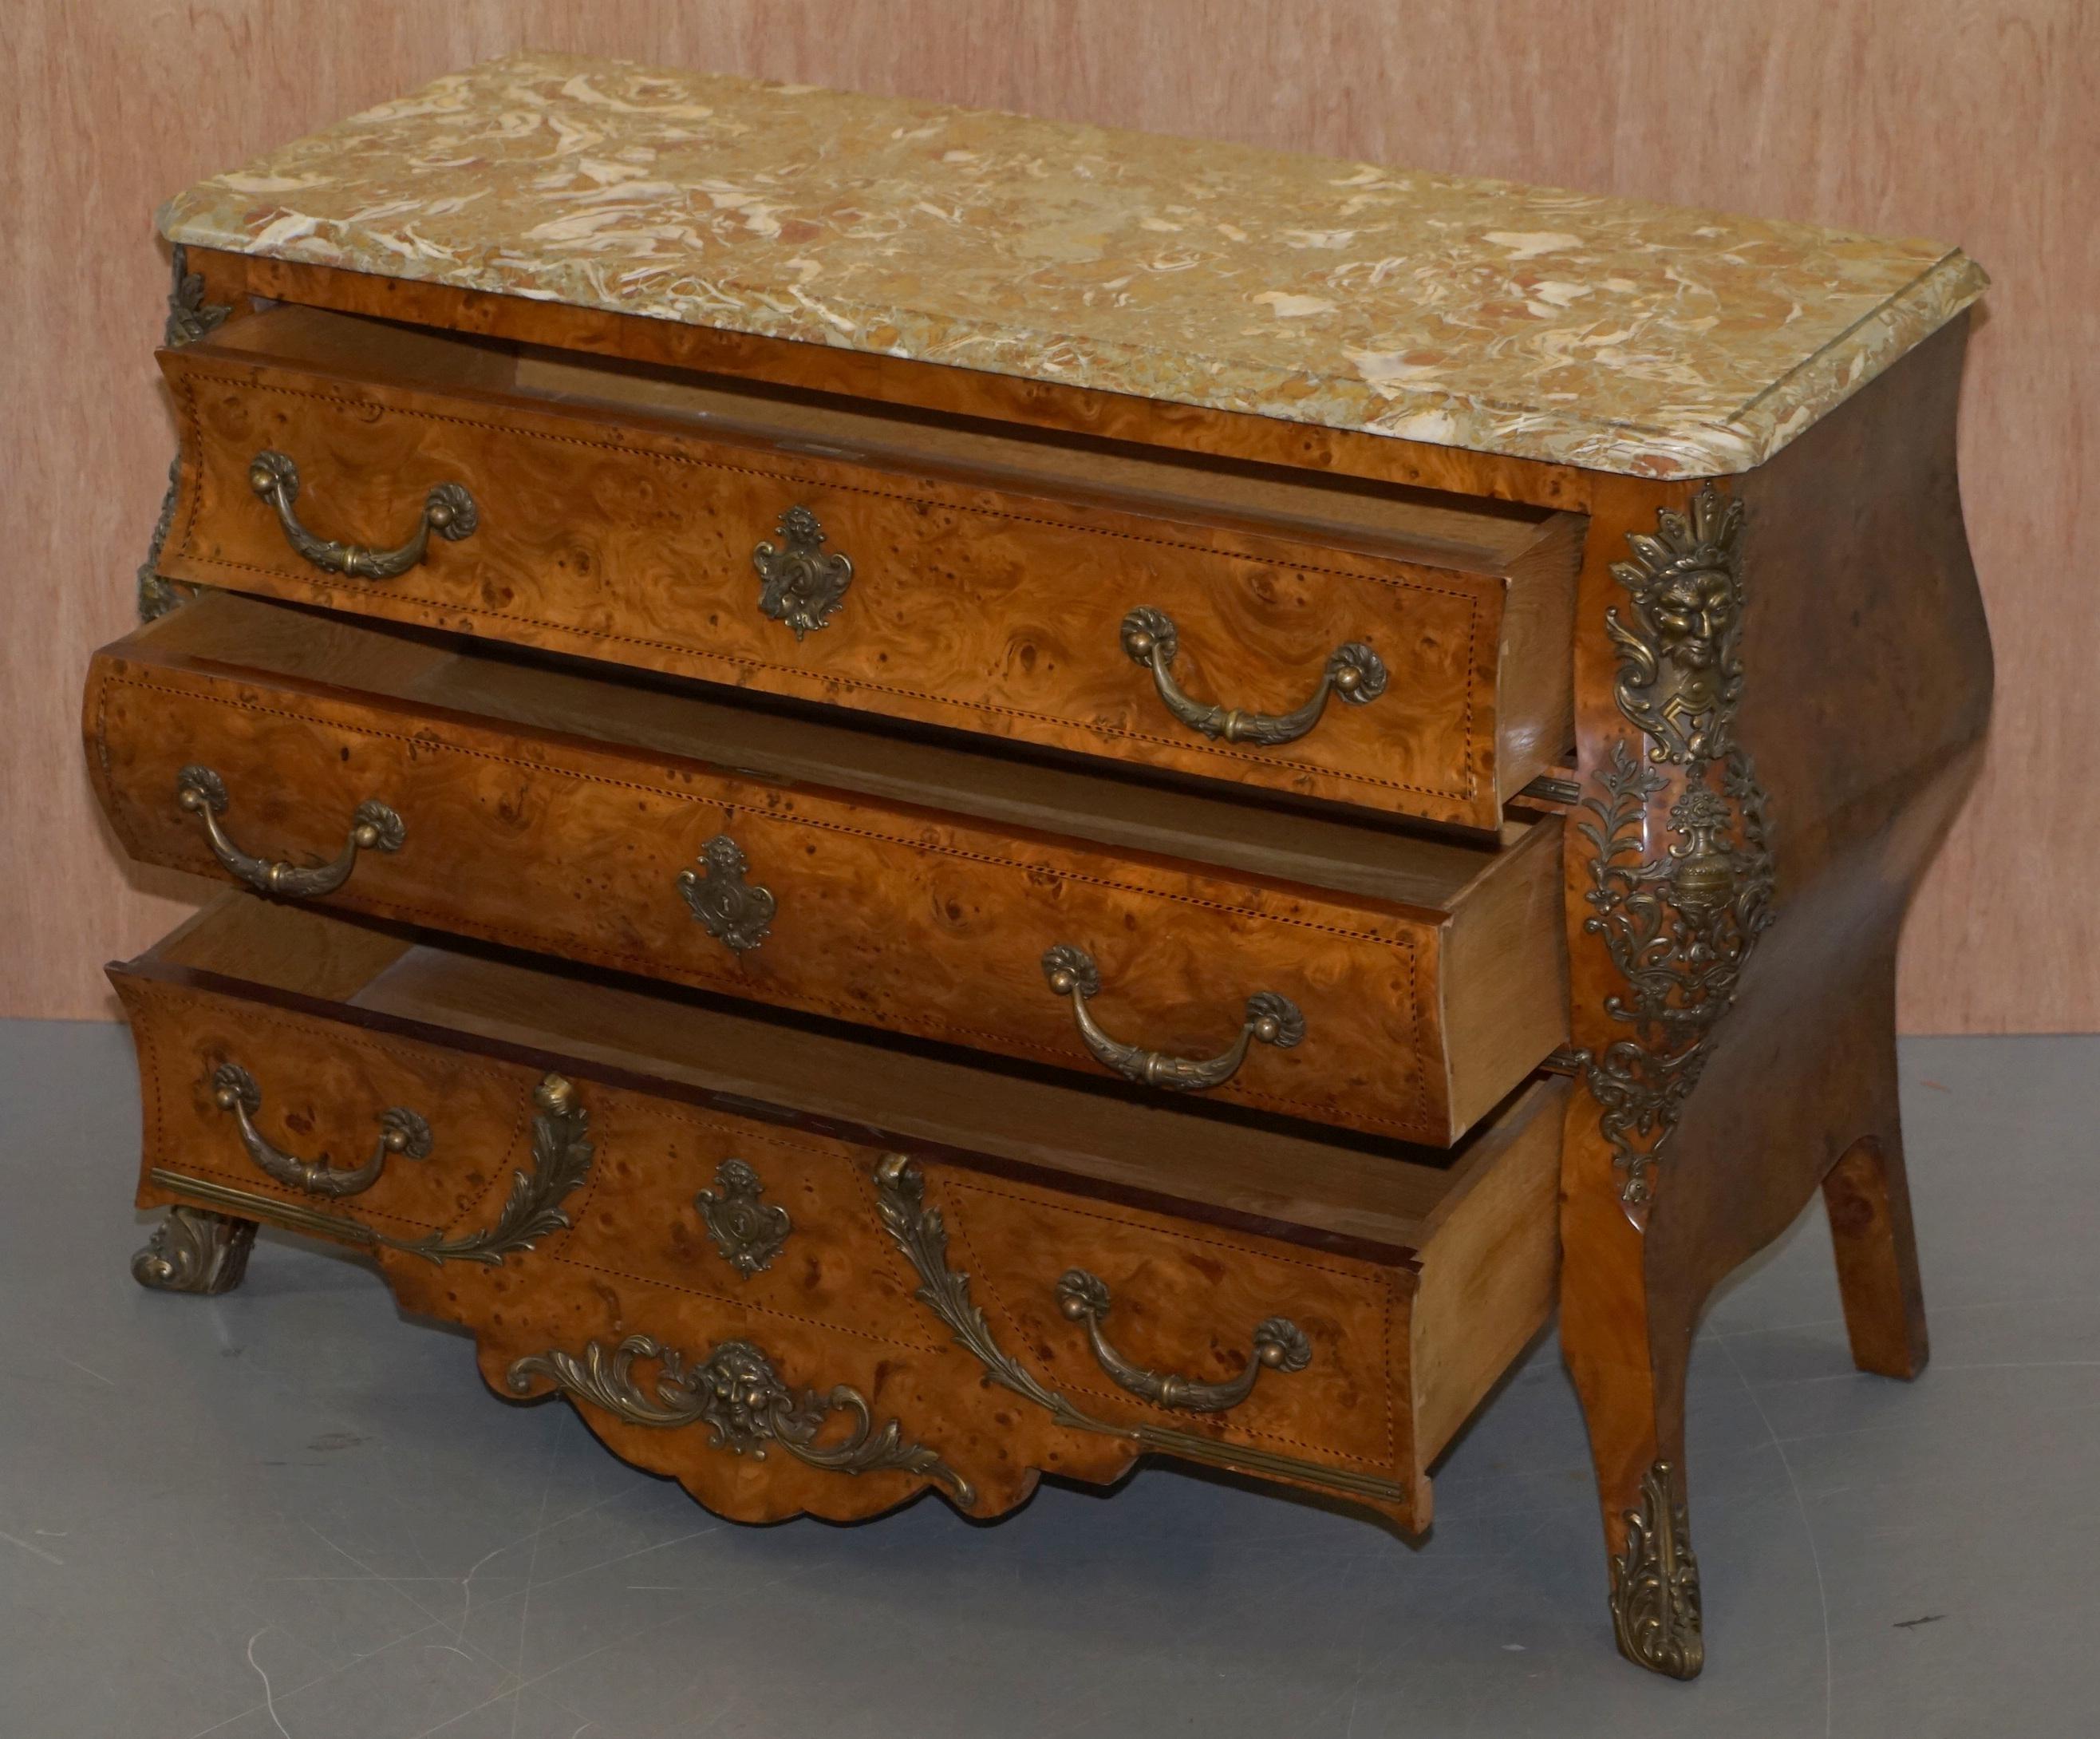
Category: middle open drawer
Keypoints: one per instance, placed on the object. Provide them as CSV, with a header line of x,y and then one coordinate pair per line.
x,y
1307,967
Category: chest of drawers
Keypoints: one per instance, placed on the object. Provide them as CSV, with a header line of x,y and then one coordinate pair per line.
x,y
916,798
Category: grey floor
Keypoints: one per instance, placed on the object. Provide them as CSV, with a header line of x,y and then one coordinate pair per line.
x,y
288,1512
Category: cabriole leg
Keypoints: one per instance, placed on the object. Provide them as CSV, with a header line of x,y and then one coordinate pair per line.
x,y
194,1250
1628,1357
1867,1196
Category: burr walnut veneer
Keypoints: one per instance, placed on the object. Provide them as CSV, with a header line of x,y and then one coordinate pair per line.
x,y
918,798
991,574
1199,1234
1428,984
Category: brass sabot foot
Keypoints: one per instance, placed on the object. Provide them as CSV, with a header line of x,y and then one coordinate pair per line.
x,y
194,1250
1655,1583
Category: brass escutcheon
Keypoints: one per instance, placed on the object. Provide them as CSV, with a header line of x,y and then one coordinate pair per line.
x,y
748,1230
800,584
736,912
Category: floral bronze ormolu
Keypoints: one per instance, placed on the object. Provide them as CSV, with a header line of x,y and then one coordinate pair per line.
x,y
1680,927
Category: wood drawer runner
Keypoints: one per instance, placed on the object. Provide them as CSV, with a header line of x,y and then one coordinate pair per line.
x,y
912,886
622,514
632,1197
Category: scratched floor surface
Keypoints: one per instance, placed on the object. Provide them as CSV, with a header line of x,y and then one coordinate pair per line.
x,y
288,1512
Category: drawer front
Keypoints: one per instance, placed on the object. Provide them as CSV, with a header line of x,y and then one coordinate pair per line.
x,y
888,916
1134,1318
320,1098
979,608
750,1254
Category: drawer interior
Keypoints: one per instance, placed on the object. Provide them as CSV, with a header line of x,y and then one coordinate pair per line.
x,y
1417,525
1382,1200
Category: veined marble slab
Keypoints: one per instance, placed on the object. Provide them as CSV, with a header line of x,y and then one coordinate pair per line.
x,y
1526,322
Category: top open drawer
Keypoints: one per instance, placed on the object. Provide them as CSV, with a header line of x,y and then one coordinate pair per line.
x,y
1385,648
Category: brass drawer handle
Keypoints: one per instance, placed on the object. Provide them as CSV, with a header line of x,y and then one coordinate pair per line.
x,y
800,584
1354,672
448,509
736,913
401,1131
921,1237
1279,1345
1271,1019
374,826
534,1207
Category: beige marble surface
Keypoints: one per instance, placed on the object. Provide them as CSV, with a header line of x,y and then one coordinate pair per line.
x,y
1525,321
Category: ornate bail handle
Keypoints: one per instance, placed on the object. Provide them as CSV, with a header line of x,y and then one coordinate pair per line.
x,y
401,1131
374,826
1279,1345
448,509
1354,672
1271,1019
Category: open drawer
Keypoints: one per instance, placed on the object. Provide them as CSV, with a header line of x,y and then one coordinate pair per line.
x,y
1313,968
799,1272
1376,647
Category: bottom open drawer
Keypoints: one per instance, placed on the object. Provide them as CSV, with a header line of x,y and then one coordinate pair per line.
x,y
802,1271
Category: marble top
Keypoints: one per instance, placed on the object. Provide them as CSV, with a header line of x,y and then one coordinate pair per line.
x,y
1527,321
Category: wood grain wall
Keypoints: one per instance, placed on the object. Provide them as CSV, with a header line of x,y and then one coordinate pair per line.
x,y
1976,122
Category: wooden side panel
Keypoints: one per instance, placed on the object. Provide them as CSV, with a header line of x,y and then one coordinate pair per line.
x,y
1504,977
1538,665
603,535
836,1306
1864,692
1488,1275
890,917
